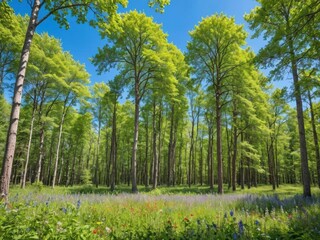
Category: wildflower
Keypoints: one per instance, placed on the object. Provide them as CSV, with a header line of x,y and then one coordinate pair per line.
x,y
241,229
256,222
64,210
231,213
94,231
78,204
186,219
281,208
235,236
214,226
108,230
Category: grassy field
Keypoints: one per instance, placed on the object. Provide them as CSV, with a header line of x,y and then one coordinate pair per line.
x,y
86,212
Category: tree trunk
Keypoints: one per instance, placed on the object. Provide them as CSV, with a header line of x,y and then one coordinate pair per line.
x,y
235,148
146,170
201,160
41,152
154,147
302,135
58,150
315,137
219,142
73,169
271,164
96,178
191,155
210,157
23,184
15,110
170,148
113,149
135,139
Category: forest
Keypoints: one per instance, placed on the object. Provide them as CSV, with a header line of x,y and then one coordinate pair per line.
x,y
211,140
207,116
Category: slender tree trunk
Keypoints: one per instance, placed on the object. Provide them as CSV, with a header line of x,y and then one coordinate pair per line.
x,y
302,134
315,137
146,170
174,157
15,110
241,175
201,160
41,152
235,149
159,143
170,148
73,169
271,164
48,182
96,177
23,184
107,179
219,142
191,155
194,158
154,147
58,149
89,153
135,139
113,149
248,173
210,157
229,143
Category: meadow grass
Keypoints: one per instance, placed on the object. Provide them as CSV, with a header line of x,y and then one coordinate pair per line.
x,y
86,212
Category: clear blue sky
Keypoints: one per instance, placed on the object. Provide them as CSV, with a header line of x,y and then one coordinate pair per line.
x,y
179,18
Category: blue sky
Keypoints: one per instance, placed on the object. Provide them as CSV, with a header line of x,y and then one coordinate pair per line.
x,y
179,18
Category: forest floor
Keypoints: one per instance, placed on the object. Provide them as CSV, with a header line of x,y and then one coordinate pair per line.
x,y
87,212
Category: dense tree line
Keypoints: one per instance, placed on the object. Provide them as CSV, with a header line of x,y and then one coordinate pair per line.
x,y
207,116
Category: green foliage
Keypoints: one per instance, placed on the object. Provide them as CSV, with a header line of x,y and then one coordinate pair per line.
x,y
86,177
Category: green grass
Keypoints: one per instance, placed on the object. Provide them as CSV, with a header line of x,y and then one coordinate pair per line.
x,y
86,212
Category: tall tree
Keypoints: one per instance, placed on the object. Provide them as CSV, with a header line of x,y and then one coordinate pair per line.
x,y
283,23
74,90
213,52
138,47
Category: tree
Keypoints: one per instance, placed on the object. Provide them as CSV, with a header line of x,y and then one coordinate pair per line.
x,y
284,23
138,47
11,33
99,97
73,89
60,10
47,72
213,52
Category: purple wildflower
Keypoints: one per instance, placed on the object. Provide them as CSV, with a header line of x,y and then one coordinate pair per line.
x,y
64,210
235,236
241,229
231,213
